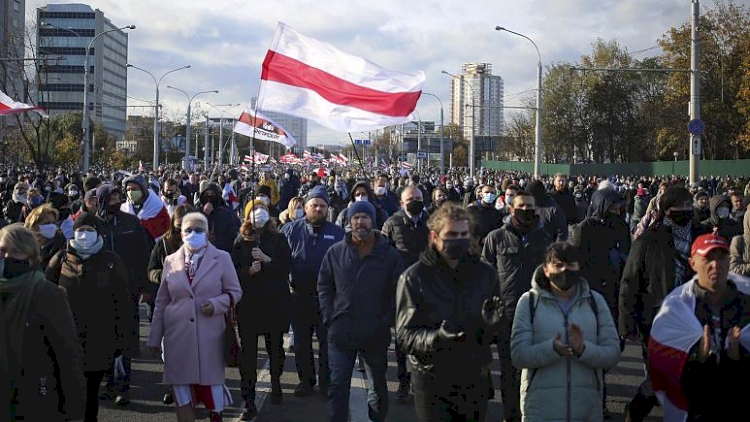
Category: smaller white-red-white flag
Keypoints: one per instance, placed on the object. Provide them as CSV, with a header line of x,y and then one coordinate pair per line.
x,y
254,124
9,106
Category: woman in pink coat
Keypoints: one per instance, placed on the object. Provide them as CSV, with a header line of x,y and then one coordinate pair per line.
x,y
194,295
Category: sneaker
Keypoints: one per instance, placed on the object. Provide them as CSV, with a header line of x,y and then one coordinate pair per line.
x,y
402,394
304,390
216,417
107,395
168,397
122,399
249,411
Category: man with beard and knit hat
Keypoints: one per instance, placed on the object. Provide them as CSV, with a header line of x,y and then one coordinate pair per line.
x,y
357,294
123,234
515,251
309,240
550,214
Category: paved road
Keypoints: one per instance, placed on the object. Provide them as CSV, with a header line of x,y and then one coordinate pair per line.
x,y
147,391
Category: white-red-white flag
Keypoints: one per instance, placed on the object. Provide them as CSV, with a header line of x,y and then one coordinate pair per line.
x,y
254,124
9,106
674,332
312,79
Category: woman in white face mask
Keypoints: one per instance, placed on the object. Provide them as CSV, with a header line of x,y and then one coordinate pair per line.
x,y
41,221
96,282
198,288
294,211
262,258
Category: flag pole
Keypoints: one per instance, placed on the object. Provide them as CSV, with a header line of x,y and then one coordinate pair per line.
x,y
357,152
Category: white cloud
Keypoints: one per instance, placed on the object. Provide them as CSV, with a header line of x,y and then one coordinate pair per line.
x,y
225,40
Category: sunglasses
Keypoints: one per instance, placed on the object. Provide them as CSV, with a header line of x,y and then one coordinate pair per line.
x,y
189,230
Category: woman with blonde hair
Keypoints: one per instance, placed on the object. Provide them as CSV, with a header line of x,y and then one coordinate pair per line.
x,y
41,221
39,351
262,259
198,287
293,211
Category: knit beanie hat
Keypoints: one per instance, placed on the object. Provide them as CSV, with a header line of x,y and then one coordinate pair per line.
x,y
360,206
88,219
318,192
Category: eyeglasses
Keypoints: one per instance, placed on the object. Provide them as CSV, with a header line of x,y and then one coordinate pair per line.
x,y
189,230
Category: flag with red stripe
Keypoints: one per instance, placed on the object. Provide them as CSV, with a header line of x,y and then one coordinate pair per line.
x,y
675,331
311,79
9,106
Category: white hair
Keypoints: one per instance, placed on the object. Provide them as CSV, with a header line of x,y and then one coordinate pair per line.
x,y
195,217
606,184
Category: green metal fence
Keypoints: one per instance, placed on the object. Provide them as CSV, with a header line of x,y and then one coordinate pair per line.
x,y
657,168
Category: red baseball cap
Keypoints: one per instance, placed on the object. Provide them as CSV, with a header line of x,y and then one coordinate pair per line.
x,y
704,244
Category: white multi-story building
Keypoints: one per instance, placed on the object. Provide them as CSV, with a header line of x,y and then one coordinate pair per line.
x,y
12,36
65,30
477,101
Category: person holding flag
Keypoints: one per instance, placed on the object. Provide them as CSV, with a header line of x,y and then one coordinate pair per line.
x,y
700,339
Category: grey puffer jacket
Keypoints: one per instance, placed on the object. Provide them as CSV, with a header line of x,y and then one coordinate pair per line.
x,y
554,387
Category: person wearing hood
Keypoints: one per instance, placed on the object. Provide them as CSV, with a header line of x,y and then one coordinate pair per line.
x,y
356,289
563,338
721,219
171,195
739,251
514,251
288,188
361,192
123,234
96,283
701,207
16,210
262,259
223,223
550,214
146,205
447,315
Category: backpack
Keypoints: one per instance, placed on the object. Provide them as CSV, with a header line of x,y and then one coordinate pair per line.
x,y
592,302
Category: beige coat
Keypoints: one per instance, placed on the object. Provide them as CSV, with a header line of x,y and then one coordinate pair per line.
x,y
739,251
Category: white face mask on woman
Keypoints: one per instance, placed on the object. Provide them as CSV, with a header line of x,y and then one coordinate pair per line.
x,y
48,230
260,217
86,238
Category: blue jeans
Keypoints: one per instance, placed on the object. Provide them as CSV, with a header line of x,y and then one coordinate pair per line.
x,y
120,384
341,360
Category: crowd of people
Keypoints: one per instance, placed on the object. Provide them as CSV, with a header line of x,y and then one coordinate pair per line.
x,y
555,274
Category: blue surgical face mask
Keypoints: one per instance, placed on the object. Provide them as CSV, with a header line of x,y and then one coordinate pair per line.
x,y
194,240
488,197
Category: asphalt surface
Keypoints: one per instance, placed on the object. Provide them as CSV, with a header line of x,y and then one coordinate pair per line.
x,y
147,392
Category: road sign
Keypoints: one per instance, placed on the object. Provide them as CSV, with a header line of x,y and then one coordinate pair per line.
x,y
697,127
357,142
366,141
696,146
421,155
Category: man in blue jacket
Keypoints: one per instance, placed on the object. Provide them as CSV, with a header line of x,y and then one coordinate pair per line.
x,y
356,290
309,239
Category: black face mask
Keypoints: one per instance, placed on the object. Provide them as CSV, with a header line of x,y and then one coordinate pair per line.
x,y
415,207
681,218
564,280
15,267
456,248
526,218
112,208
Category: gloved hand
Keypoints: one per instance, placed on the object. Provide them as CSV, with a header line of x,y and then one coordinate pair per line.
x,y
446,335
492,311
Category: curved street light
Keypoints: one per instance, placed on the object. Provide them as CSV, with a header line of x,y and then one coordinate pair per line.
x,y
227,107
156,107
86,134
186,162
538,128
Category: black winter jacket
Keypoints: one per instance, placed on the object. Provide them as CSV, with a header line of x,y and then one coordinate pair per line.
x,y
430,292
409,239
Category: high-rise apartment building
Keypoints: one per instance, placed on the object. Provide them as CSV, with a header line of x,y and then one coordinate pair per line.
x,y
65,31
477,101
12,36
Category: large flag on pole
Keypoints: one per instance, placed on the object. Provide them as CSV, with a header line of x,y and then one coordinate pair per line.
x,y
311,79
254,124
8,106
674,332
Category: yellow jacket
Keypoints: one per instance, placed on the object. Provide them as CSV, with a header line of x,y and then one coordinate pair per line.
x,y
274,190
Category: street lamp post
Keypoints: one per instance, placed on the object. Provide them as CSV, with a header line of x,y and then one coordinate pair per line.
x,y
221,127
473,118
156,108
85,125
186,161
442,132
538,129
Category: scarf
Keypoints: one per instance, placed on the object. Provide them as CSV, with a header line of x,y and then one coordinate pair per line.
x,y
85,252
16,295
192,261
682,238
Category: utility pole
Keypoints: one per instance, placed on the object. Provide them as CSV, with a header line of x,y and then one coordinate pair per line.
x,y
695,89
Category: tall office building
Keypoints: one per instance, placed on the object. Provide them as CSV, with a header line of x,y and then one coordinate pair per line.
x,y
477,101
297,126
64,31
12,36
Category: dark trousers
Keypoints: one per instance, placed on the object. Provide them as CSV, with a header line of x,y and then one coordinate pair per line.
x,y
403,373
437,401
93,379
645,400
249,359
341,361
510,378
306,320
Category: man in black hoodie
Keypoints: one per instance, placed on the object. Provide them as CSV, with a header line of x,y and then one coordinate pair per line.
x,y
721,219
223,223
550,214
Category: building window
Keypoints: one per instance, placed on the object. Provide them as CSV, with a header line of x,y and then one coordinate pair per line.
x,y
65,51
67,15
60,32
65,69
64,87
